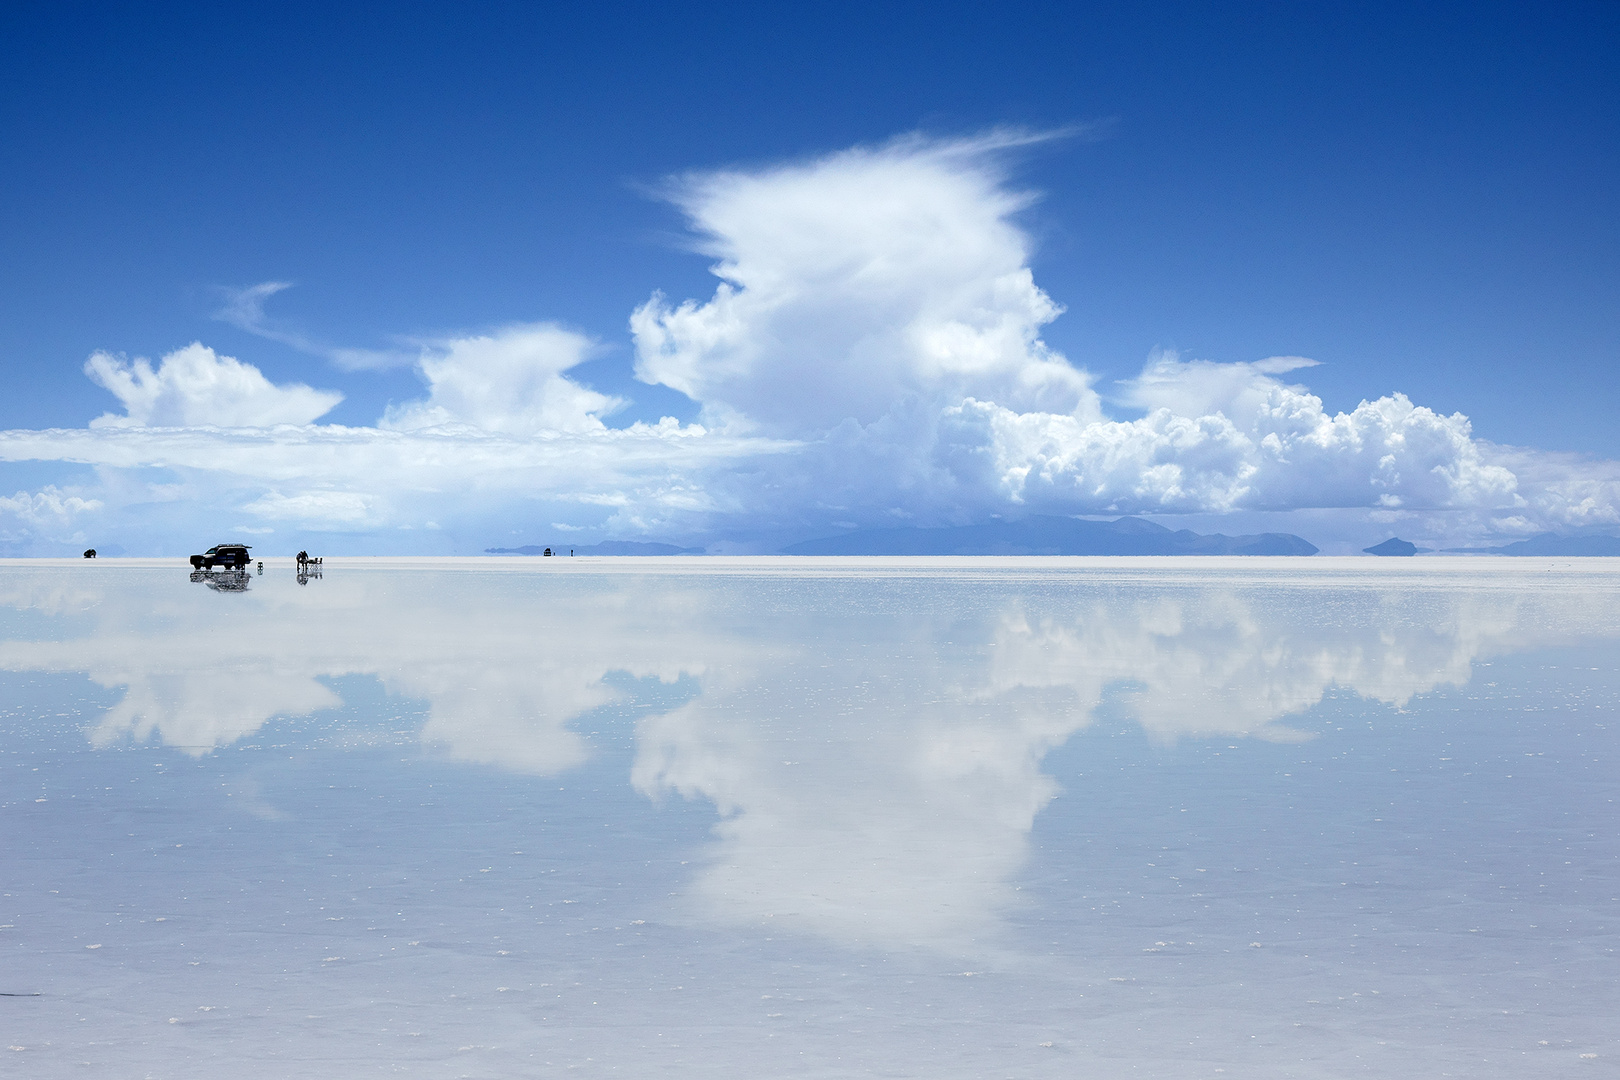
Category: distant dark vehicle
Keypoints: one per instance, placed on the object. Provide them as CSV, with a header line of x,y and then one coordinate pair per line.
x,y
546,552
227,556
90,553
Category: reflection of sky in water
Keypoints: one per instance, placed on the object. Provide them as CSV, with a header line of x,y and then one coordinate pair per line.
x,y
768,817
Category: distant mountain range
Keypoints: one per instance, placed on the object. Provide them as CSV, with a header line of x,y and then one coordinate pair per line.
x,y
1041,535
606,547
1046,535
1550,544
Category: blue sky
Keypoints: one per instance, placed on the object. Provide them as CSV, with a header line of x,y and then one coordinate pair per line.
x,y
1421,201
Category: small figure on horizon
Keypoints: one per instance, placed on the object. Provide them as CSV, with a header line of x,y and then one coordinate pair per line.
x,y
90,553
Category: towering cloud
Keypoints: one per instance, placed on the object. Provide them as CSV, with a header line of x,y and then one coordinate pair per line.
x,y
857,282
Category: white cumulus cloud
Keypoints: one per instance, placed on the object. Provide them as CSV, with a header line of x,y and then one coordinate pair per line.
x,y
509,382
196,387
49,513
1222,437
47,505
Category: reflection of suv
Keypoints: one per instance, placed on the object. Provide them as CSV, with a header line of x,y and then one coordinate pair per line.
x,y
229,556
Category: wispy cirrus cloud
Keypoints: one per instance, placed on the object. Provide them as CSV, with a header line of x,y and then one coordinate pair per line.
x,y
243,308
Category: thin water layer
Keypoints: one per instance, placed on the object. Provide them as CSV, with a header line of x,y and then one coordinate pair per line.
x,y
797,817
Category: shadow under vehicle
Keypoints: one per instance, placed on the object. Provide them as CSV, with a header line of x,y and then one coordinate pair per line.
x,y
225,556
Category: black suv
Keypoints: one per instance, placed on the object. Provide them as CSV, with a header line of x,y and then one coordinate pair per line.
x,y
228,556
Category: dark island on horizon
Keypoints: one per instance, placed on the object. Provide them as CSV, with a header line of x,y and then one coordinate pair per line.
x,y
1394,546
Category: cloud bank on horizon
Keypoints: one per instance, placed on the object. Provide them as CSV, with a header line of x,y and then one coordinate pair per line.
x,y
871,356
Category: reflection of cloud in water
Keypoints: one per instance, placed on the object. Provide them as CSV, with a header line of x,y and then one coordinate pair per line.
x,y
873,745
1213,662
503,662
879,784
49,593
199,710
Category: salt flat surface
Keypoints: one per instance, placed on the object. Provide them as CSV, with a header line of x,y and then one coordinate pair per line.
x,y
811,817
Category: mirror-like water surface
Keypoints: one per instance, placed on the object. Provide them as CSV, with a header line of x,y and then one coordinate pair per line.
x,y
934,818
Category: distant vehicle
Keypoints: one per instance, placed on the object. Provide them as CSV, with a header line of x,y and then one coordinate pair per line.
x,y
90,553
227,556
